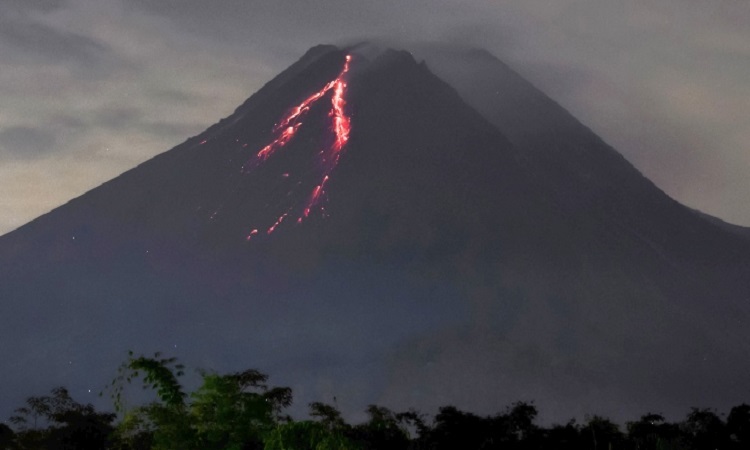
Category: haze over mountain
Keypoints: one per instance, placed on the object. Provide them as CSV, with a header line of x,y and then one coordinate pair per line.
x,y
474,245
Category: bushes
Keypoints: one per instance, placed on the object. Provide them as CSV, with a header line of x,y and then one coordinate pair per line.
x,y
240,411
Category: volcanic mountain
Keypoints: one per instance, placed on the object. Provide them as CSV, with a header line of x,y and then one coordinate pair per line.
x,y
361,228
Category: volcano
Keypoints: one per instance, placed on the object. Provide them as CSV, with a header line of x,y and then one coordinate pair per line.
x,y
379,228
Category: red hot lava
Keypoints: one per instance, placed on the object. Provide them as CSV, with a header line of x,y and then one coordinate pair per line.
x,y
287,128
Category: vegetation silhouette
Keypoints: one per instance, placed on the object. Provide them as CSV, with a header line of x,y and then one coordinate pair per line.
x,y
57,421
240,411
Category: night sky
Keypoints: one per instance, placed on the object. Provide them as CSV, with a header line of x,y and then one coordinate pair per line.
x,y
90,88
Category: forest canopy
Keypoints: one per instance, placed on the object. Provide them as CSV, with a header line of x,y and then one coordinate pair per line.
x,y
241,411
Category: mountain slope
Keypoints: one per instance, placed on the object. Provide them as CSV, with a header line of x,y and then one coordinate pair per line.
x,y
461,254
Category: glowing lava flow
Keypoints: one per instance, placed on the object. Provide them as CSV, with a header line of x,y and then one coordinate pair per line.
x,y
269,149
287,128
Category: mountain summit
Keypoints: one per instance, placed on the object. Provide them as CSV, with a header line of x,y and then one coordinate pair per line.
x,y
385,230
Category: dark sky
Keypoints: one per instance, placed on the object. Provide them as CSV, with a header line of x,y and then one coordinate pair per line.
x,y
91,88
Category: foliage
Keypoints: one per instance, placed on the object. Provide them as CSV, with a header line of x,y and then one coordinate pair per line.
x,y
652,431
601,433
7,436
240,411
327,415
232,411
58,422
705,430
457,429
307,435
382,430
158,373
738,426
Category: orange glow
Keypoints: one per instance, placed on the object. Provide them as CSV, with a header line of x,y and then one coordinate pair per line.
x,y
303,107
269,149
287,128
272,228
340,120
341,128
314,199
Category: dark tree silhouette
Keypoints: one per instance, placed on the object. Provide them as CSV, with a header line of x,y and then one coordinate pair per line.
x,y
652,431
327,415
382,430
58,422
7,436
562,437
738,427
307,435
705,430
600,433
240,411
456,429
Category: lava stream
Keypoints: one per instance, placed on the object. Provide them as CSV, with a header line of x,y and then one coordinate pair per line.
x,y
269,149
287,128
303,107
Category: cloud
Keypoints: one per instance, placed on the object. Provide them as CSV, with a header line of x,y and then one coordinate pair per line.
x,y
26,142
664,82
36,42
176,96
117,117
25,5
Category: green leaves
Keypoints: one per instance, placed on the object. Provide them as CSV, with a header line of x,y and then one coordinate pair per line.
x,y
307,435
229,411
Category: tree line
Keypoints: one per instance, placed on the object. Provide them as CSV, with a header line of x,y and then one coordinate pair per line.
x,y
240,411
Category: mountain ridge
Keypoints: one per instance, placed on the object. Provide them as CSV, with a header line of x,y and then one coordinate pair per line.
x,y
463,263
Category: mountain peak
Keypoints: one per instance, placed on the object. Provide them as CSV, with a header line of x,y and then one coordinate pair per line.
x,y
466,252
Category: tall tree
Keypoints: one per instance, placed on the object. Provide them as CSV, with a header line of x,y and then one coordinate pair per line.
x,y
653,432
738,426
705,430
7,436
58,422
600,433
229,412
